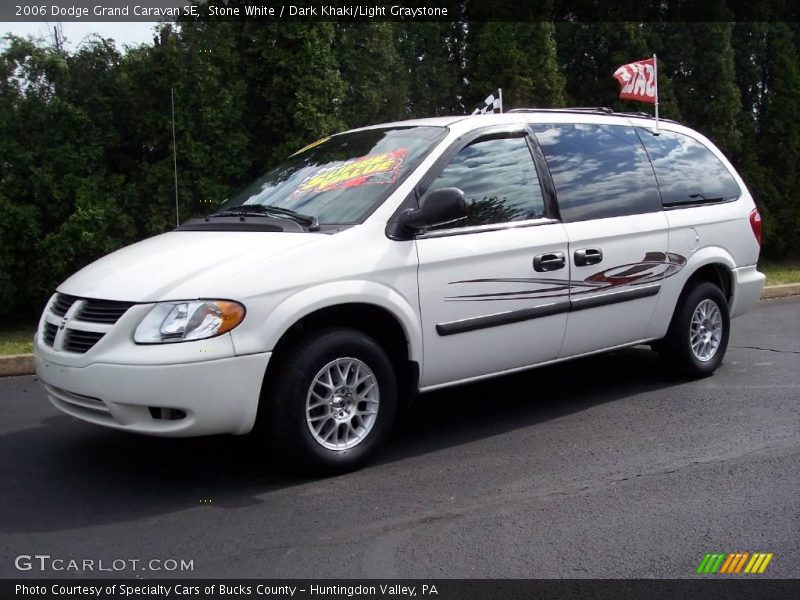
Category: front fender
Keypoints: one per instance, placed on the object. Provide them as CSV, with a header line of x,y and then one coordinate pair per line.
x,y
310,300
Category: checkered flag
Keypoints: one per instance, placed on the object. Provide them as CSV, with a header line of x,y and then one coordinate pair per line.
x,y
492,104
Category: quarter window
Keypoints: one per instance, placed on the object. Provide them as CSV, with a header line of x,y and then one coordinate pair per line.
x,y
498,179
599,170
687,171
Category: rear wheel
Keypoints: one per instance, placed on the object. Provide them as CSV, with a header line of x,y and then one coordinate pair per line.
x,y
697,339
332,402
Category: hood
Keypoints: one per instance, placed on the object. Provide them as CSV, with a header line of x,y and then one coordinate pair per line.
x,y
178,265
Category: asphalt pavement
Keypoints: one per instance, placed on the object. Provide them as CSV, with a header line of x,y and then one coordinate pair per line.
x,y
604,467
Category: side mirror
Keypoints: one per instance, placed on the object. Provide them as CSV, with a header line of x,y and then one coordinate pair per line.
x,y
444,205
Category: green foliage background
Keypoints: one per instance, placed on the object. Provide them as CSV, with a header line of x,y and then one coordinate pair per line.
x,y
85,136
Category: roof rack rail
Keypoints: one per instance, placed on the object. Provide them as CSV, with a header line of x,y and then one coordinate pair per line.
x,y
599,109
645,115
603,110
638,113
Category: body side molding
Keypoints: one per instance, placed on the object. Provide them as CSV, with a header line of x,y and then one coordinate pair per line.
x,y
503,318
614,297
545,310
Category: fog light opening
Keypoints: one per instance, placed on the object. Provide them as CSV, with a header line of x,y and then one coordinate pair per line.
x,y
166,414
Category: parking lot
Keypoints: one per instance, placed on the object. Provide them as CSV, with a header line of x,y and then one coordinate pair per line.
x,y
603,467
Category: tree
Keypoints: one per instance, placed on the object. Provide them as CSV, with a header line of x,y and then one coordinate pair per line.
x,y
698,59
373,73
294,89
86,136
779,141
433,56
520,58
60,204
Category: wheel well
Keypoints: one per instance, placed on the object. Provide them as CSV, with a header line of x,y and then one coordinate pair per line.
x,y
715,273
374,321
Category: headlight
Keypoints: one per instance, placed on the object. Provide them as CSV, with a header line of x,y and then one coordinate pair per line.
x,y
185,321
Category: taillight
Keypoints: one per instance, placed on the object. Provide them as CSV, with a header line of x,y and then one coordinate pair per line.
x,y
755,223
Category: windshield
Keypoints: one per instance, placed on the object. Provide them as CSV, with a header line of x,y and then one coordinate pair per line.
x,y
339,179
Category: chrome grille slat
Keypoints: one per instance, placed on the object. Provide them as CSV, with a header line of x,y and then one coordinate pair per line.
x,y
109,320
49,333
102,311
81,341
62,304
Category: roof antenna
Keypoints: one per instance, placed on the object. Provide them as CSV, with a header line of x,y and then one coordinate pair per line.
x,y
175,159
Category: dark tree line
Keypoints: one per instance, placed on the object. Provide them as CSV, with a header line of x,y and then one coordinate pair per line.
x,y
85,136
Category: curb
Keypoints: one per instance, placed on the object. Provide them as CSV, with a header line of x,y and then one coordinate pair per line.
x,y
17,364
780,291
23,364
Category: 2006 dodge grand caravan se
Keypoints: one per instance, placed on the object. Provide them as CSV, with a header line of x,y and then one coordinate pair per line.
x,y
383,261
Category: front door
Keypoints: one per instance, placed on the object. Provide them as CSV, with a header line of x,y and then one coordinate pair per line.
x,y
494,289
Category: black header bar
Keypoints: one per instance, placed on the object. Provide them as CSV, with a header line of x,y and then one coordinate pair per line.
x,y
393,10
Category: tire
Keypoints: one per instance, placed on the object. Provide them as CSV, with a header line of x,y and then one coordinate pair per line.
x,y
703,300
291,413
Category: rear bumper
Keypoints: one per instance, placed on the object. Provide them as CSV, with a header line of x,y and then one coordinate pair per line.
x,y
748,284
209,397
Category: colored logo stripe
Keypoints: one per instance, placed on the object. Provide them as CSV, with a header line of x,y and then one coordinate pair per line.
x,y
758,563
733,562
710,563
727,564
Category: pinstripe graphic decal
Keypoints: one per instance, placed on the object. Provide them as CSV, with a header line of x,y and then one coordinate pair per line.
x,y
655,266
621,283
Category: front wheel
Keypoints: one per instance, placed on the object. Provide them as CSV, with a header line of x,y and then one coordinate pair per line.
x,y
332,403
698,334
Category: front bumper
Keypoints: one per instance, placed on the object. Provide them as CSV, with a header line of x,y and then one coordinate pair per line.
x,y
748,284
174,400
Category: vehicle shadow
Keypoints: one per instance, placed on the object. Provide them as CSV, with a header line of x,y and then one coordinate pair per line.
x,y
65,474
462,414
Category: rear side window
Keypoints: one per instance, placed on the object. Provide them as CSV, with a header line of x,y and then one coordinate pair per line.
x,y
687,171
599,170
499,181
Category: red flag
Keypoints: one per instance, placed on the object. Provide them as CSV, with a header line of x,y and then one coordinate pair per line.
x,y
638,81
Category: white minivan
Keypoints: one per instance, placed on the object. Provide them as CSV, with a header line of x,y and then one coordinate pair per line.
x,y
384,261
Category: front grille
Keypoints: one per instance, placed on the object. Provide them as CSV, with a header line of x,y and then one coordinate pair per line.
x,y
62,304
103,311
92,311
103,314
49,334
81,341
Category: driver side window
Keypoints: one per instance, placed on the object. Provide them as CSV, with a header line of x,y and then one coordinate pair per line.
x,y
498,179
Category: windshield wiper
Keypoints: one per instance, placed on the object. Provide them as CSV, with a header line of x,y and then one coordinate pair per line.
x,y
261,210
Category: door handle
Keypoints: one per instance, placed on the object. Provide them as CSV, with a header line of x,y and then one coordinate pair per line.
x,y
588,256
551,261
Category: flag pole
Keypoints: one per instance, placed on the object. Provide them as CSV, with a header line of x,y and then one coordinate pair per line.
x,y
655,68
500,94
